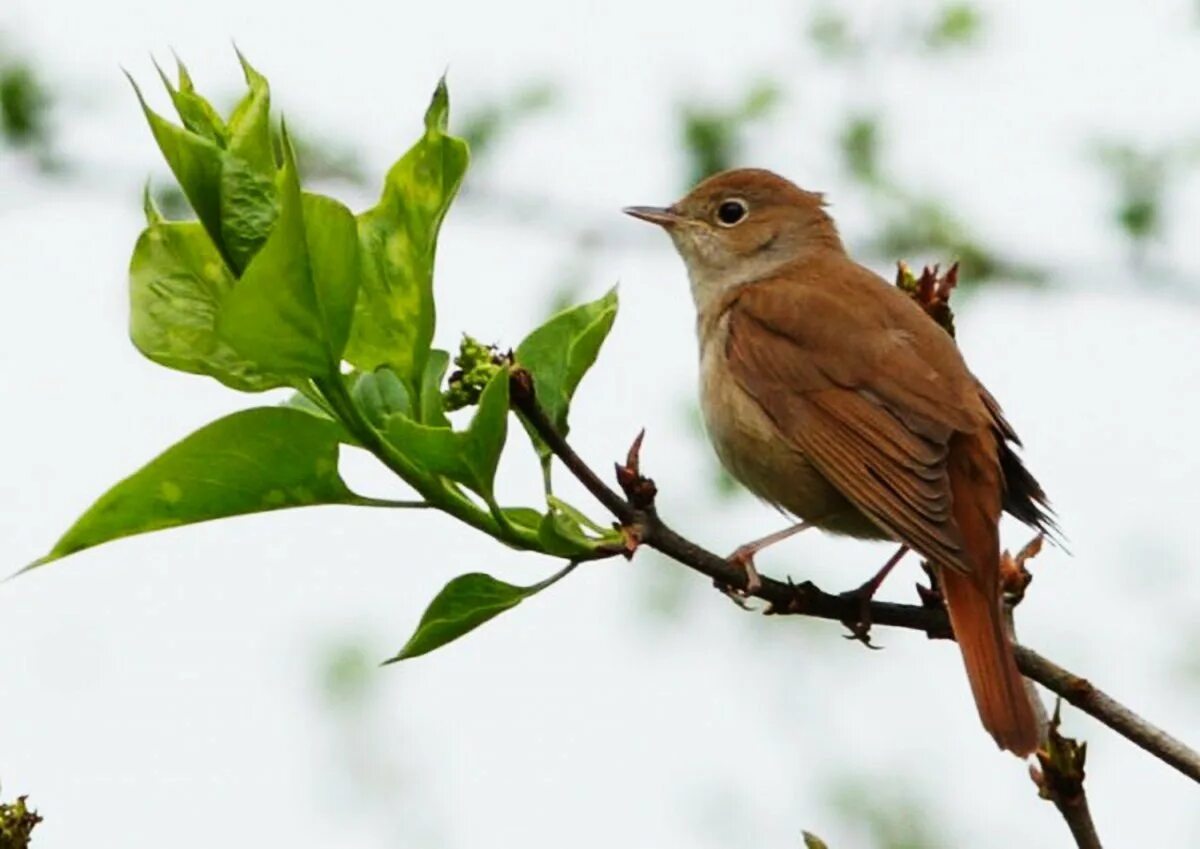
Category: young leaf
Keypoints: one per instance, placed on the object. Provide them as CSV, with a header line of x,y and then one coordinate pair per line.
x,y
564,532
196,113
176,283
469,457
394,318
379,394
432,409
250,123
196,163
291,310
249,200
560,352
463,605
266,458
249,207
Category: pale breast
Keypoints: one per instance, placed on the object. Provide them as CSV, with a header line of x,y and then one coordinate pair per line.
x,y
749,446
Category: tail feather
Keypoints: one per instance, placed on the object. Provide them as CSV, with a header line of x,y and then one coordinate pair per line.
x,y
973,599
996,682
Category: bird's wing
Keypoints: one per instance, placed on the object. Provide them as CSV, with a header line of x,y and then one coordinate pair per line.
x,y
869,392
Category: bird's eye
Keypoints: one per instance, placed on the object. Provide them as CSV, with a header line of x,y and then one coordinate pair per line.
x,y
731,212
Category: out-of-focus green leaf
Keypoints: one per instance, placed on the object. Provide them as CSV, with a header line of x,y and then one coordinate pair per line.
x,y
955,25
859,144
462,606
829,31
394,318
291,310
469,457
559,353
262,459
177,281
712,135
24,107
486,125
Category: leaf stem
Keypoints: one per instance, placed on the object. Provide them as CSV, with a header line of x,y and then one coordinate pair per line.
x,y
435,493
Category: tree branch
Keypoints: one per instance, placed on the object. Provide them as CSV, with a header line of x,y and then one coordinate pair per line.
x,y
1059,779
641,520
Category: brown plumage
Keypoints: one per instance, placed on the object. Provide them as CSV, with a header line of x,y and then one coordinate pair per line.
x,y
831,394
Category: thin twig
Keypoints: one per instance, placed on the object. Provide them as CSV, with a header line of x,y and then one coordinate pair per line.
x,y
1059,778
807,599
1093,701
1078,817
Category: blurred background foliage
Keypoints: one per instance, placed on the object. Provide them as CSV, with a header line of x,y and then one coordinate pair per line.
x,y
906,219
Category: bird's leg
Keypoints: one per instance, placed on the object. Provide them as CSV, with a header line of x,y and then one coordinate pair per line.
x,y
861,629
743,556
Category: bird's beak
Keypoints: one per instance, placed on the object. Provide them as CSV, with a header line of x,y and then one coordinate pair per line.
x,y
660,215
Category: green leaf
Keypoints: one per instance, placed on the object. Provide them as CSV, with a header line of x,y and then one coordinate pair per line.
x,y
177,281
250,123
469,457
196,162
432,410
249,209
560,352
811,841
197,114
379,394
249,199
291,311
267,458
463,605
394,318
564,532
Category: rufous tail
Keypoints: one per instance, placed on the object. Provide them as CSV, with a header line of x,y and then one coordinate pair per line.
x,y
973,601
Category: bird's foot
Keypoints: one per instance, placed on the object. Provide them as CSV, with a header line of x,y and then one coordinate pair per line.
x,y
860,625
743,558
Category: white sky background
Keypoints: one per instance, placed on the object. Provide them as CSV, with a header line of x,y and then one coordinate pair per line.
x,y
163,691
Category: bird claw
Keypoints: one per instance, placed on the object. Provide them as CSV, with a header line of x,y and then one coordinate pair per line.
x,y
860,628
743,558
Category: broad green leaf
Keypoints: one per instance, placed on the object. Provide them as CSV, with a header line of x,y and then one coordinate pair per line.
x,y
394,317
291,310
469,457
379,394
463,605
266,458
195,161
560,352
176,283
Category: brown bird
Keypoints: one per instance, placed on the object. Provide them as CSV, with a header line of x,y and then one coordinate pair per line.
x,y
831,394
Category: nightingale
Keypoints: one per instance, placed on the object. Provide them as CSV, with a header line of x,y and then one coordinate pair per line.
x,y
831,394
